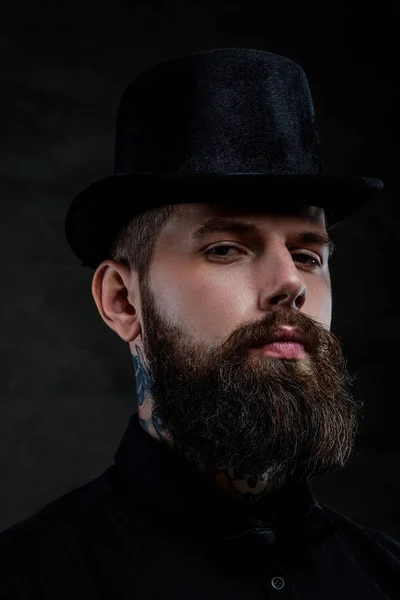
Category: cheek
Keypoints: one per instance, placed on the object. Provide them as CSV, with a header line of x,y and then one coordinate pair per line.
x,y
214,309
319,302
208,308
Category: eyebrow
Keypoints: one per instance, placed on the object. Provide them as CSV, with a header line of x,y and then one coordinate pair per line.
x,y
227,225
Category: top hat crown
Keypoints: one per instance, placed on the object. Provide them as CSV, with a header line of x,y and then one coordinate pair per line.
x,y
219,111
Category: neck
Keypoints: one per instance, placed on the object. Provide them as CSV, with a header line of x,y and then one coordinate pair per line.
x,y
249,491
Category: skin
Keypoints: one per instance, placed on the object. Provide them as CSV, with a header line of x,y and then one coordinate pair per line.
x,y
248,422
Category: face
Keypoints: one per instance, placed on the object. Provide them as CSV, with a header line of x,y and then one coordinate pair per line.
x,y
193,328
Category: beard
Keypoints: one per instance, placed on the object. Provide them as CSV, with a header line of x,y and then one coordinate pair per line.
x,y
227,408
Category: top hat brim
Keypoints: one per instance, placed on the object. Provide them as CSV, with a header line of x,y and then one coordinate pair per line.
x,y
97,213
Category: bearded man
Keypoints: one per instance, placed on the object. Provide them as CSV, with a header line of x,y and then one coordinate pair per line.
x,y
211,247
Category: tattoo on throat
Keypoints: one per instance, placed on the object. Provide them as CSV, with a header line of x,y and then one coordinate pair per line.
x,y
143,381
143,387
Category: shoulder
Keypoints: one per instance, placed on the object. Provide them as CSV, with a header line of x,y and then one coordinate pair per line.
x,y
388,543
39,541
61,512
372,540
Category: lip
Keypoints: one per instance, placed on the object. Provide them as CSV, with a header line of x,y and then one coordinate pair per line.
x,y
282,350
285,334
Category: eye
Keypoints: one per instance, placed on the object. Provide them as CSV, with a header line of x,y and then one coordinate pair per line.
x,y
220,247
310,261
309,258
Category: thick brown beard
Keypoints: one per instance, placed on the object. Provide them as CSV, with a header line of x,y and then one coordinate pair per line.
x,y
268,418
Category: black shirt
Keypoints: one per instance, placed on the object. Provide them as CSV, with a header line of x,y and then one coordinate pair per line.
x,y
151,527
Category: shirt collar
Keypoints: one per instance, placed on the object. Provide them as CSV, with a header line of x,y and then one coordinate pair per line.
x,y
166,485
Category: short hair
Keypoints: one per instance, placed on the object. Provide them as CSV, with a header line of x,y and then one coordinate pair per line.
x,y
135,241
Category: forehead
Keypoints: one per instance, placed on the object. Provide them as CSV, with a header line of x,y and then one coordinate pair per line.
x,y
191,214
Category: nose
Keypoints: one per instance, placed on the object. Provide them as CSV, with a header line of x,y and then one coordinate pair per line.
x,y
285,286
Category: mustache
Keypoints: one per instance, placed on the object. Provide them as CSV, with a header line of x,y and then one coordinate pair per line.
x,y
283,324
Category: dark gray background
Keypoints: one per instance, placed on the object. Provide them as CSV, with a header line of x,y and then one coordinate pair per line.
x,y
67,383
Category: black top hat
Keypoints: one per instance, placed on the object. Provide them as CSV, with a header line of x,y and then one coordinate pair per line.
x,y
231,126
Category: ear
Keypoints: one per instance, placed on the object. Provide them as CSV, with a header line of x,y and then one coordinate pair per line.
x,y
115,290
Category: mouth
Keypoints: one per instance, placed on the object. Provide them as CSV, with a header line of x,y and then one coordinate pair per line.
x,y
286,342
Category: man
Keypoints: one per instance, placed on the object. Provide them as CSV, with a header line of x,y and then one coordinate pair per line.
x,y
211,253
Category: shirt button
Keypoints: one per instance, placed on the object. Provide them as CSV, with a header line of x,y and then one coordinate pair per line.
x,y
277,583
